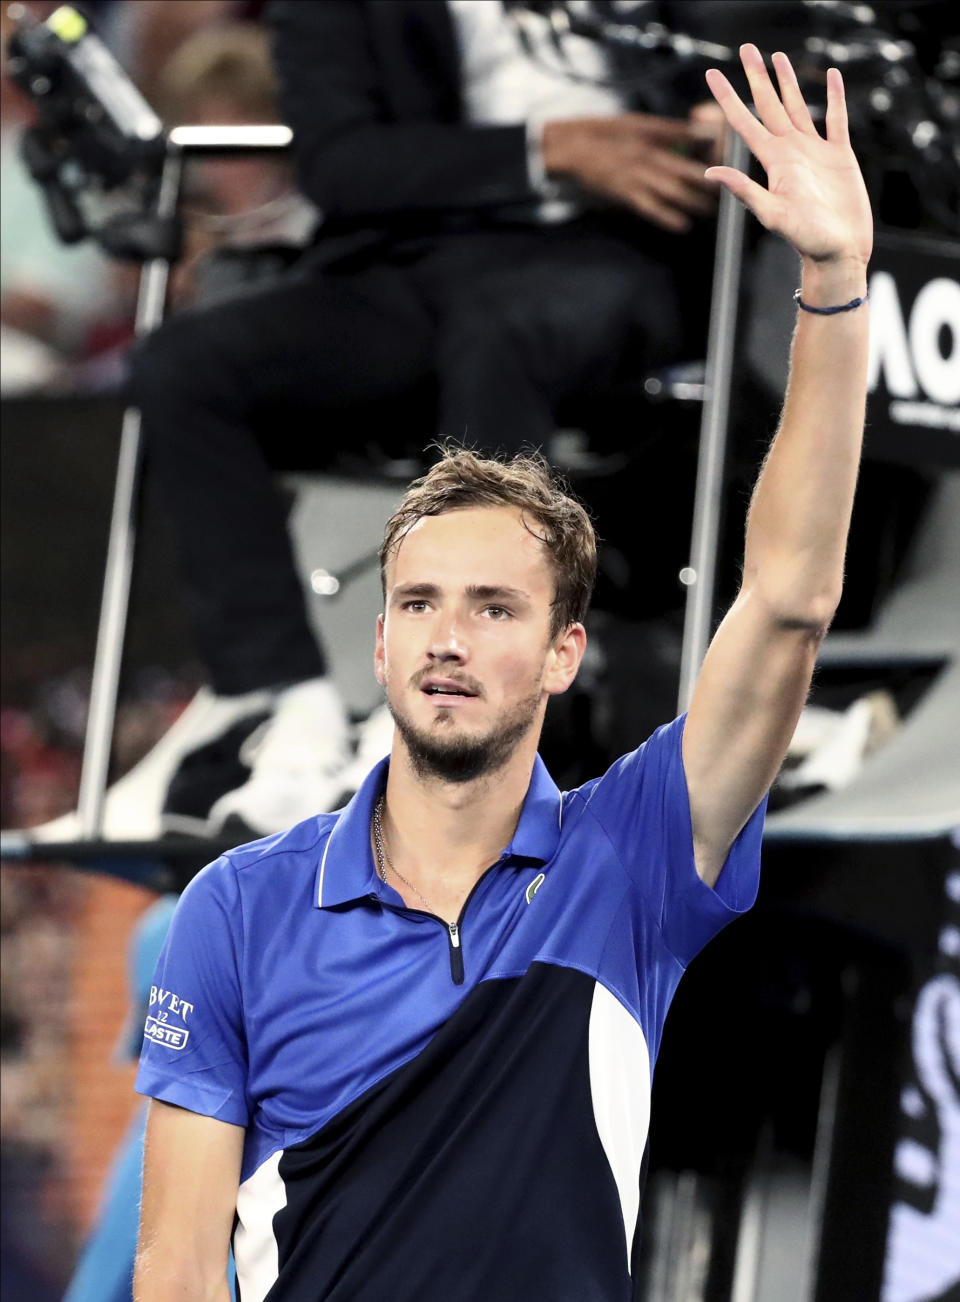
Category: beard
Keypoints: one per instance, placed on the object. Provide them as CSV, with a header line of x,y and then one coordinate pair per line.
x,y
460,758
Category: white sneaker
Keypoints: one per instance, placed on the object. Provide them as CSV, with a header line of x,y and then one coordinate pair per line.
x,y
133,808
374,740
836,743
297,760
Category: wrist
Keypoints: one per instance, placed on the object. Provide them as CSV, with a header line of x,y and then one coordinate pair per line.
x,y
558,146
829,282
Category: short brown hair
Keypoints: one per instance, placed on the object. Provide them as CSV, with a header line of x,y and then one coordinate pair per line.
x,y
461,479
229,62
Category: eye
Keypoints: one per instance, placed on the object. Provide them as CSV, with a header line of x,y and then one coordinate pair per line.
x,y
497,613
416,606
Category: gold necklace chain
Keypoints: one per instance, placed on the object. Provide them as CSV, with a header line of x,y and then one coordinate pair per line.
x,y
383,859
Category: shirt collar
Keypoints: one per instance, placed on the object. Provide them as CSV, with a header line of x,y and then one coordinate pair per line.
x,y
538,831
347,871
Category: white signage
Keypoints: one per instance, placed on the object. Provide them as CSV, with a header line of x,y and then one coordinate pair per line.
x,y
917,359
923,1242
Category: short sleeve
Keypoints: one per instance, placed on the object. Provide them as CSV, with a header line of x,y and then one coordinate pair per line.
x,y
194,1046
643,806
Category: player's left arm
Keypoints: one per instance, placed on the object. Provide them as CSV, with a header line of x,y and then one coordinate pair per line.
x,y
757,672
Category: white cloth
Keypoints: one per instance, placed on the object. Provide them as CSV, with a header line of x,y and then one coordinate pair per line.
x,y
76,276
504,85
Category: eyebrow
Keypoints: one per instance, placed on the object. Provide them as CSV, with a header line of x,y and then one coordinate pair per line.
x,y
417,591
495,592
478,591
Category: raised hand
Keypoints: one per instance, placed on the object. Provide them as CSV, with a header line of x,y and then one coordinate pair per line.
x,y
815,197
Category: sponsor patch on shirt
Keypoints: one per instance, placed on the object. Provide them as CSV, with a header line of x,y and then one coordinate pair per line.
x,y
164,1004
174,1037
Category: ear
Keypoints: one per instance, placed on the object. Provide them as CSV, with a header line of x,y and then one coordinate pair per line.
x,y
379,654
563,659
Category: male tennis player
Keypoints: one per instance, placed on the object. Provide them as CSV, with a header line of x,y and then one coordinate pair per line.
x,y
404,1052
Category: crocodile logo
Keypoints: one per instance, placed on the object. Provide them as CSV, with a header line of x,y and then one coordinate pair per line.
x,y
535,886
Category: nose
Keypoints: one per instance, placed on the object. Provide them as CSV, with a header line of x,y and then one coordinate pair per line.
x,y
447,644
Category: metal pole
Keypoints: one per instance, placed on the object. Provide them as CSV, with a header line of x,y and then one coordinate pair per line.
x,y
182,142
700,575
122,541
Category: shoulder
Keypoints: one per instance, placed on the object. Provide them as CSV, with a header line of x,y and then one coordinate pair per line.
x,y
656,766
295,844
257,865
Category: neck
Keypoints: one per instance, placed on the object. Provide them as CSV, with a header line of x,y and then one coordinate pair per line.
x,y
444,835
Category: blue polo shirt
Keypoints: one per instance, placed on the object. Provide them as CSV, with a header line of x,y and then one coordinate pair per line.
x,y
437,1112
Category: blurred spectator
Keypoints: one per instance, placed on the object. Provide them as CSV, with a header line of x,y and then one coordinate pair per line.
x,y
66,312
223,76
146,34
53,295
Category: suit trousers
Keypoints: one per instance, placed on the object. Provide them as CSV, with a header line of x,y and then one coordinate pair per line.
x,y
478,335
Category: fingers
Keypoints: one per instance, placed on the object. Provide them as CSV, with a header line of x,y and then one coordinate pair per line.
x,y
793,100
754,196
735,111
772,113
661,214
699,200
778,113
836,107
668,200
680,181
651,163
709,115
689,170
667,131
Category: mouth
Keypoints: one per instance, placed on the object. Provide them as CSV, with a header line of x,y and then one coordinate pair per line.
x,y
445,691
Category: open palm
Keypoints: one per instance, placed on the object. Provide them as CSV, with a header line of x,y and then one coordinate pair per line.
x,y
815,196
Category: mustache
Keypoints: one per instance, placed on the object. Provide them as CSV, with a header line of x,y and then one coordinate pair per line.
x,y
460,680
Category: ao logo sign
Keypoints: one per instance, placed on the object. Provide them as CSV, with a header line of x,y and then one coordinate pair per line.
x,y
918,359
923,1241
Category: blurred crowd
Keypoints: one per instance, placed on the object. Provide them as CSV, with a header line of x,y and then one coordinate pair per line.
x,y
40,749
42,743
37,912
66,322
67,311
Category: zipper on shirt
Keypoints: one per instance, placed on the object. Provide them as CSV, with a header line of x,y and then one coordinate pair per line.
x,y
453,928
457,973
456,953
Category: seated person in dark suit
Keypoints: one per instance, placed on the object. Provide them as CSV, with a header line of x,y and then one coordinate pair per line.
x,y
495,233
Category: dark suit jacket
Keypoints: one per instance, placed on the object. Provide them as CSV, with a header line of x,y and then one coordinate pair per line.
x,y
372,90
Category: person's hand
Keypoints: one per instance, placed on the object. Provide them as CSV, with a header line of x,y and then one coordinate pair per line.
x,y
815,196
632,159
712,126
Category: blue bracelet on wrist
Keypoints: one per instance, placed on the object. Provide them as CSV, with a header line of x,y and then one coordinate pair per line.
x,y
829,311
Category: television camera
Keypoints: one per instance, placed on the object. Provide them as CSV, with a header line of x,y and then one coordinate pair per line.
x,y
97,148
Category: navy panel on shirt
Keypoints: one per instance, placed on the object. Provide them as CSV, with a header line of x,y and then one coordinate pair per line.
x,y
298,996
393,1198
